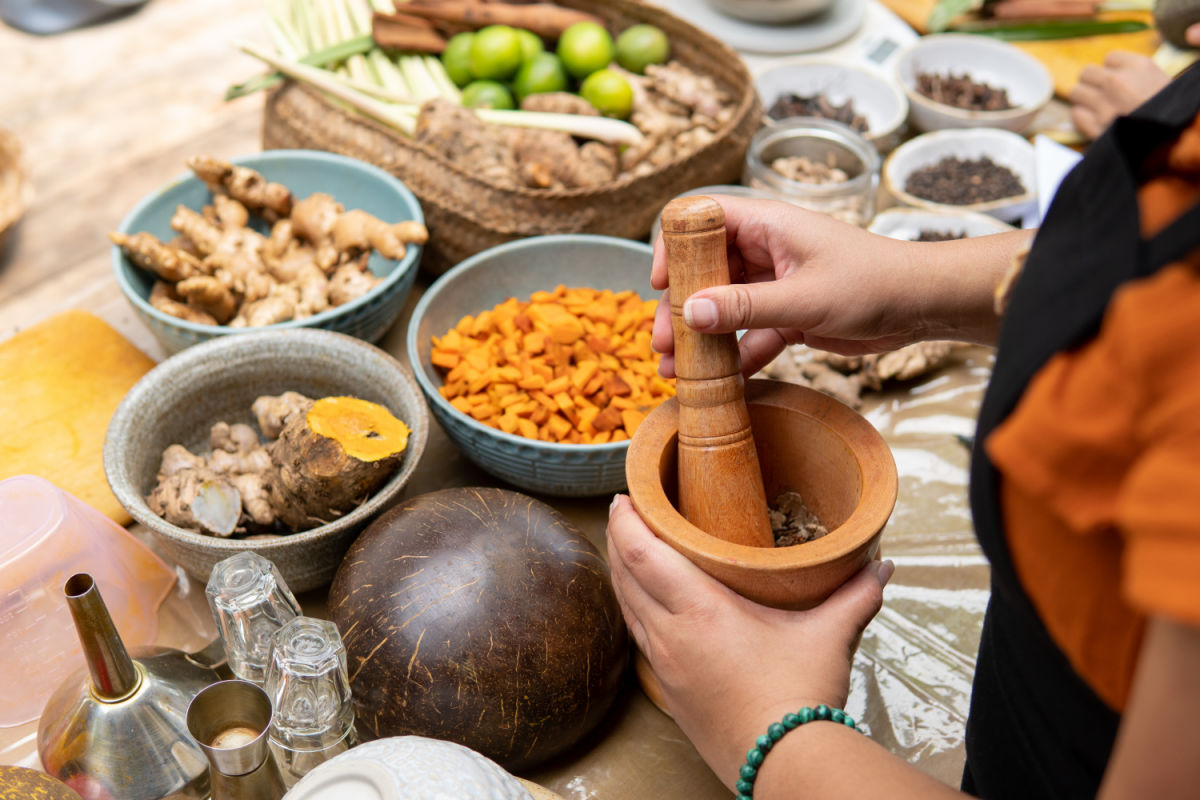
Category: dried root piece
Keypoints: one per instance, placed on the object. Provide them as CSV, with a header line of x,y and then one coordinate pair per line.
x,y
244,185
355,232
164,298
208,294
559,103
146,251
192,497
349,282
329,459
273,411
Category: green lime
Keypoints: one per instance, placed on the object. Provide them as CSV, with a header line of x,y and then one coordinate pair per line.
x,y
495,53
531,45
456,58
545,73
585,47
642,45
487,94
609,92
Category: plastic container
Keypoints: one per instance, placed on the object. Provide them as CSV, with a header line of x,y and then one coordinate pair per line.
x,y
823,142
47,536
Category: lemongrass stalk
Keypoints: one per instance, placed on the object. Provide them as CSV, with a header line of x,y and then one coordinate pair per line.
x,y
377,91
283,31
320,58
318,27
420,82
446,87
360,13
604,129
401,117
384,6
389,74
342,19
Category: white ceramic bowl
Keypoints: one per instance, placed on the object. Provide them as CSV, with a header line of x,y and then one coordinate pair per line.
x,y
876,96
907,223
986,60
771,11
1003,147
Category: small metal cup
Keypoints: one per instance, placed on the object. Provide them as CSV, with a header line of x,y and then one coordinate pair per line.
x,y
230,720
308,685
249,601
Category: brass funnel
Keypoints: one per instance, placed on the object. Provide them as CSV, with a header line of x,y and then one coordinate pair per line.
x,y
117,728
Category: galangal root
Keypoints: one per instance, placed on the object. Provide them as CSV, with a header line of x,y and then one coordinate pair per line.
x,y
321,460
219,271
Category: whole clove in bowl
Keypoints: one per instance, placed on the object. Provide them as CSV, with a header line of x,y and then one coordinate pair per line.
x,y
985,170
867,100
818,164
966,81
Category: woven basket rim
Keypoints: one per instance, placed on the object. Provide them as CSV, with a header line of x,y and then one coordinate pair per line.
x,y
741,77
15,189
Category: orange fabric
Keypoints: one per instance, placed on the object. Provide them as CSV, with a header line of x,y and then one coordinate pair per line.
x,y
1100,461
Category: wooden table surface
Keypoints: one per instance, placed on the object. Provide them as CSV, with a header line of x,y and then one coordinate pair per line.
x,y
108,114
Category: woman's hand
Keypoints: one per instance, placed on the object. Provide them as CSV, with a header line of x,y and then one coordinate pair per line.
x,y
727,666
1124,82
802,277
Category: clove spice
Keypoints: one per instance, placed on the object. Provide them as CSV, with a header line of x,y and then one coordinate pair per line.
x,y
961,91
959,182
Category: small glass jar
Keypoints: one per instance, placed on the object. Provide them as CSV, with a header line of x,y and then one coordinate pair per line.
x,y
825,143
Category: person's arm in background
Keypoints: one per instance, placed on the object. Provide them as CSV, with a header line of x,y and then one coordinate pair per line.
x,y
1121,84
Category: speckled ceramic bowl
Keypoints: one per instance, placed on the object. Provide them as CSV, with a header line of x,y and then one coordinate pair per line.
x,y
181,398
518,269
353,183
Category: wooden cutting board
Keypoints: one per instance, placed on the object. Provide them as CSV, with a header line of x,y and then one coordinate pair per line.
x,y
63,379
1064,58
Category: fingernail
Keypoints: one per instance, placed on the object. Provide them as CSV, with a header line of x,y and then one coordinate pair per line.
x,y
700,313
886,568
613,505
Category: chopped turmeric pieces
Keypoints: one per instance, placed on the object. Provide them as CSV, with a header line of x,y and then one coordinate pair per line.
x,y
568,365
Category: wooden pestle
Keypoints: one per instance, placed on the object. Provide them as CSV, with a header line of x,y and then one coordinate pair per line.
x,y
720,482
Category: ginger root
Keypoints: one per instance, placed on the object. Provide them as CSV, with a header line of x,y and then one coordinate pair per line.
x,y
323,459
219,271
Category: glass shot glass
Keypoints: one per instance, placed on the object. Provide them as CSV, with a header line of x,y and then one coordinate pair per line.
x,y
309,688
249,601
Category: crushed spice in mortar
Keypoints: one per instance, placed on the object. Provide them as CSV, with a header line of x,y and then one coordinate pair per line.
x,y
793,522
930,235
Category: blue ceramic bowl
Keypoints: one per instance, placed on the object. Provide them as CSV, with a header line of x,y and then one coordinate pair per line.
x,y
518,269
353,183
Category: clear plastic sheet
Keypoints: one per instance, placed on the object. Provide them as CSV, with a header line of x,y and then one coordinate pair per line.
x,y
912,675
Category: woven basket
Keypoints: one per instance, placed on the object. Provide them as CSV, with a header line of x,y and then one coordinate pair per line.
x,y
466,215
14,187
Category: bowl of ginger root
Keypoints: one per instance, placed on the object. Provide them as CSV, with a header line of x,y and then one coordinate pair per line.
x,y
279,239
283,442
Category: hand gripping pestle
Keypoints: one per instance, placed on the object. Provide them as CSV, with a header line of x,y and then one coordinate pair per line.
x,y
720,481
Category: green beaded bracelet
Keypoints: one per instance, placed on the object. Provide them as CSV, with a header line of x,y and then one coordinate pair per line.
x,y
775,732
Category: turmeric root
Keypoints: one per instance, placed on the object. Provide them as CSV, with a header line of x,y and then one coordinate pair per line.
x,y
331,458
327,457
243,184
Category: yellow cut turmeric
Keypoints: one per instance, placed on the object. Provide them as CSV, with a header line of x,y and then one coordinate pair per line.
x,y
568,365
